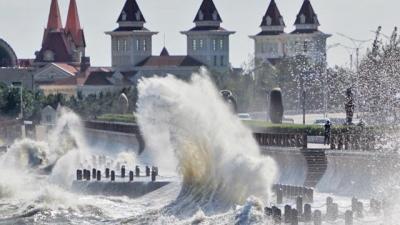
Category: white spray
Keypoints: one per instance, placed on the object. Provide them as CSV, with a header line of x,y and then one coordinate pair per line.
x,y
187,124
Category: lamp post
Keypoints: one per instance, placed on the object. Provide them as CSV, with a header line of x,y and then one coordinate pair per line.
x,y
20,87
325,90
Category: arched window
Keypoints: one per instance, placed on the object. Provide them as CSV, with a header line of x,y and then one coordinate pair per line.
x,y
302,19
215,45
137,45
215,16
137,15
268,20
194,44
123,16
201,15
144,45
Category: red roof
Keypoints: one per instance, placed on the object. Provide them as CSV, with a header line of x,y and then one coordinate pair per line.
x,y
73,26
70,69
58,44
54,22
178,61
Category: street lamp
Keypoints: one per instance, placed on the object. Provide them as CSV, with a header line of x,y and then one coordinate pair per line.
x,y
20,87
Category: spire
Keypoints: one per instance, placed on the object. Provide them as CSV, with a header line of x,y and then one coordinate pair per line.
x,y
73,25
164,52
54,22
131,15
207,15
272,21
306,19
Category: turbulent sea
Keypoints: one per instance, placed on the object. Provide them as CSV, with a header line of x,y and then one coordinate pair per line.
x,y
218,175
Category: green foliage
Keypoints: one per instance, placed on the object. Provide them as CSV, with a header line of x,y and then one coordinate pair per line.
x,y
124,118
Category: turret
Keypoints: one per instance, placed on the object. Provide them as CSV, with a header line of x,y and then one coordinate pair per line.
x,y
131,41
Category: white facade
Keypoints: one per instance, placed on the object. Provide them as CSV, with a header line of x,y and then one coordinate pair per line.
x,y
311,45
129,48
209,47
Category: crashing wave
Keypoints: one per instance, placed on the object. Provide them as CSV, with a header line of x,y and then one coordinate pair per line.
x,y
188,123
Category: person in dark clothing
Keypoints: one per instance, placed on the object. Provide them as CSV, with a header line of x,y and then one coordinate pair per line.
x,y
327,126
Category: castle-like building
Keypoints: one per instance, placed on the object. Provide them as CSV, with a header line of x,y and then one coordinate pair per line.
x,y
61,64
62,44
207,44
272,44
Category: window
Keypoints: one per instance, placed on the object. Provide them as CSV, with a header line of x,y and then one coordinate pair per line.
x,y
215,60
137,45
215,16
201,44
194,44
118,45
48,118
302,19
221,44
144,45
305,46
268,20
222,60
215,45
201,15
125,45
123,16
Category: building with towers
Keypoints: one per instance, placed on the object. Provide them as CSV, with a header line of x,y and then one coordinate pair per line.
x,y
62,44
273,44
207,44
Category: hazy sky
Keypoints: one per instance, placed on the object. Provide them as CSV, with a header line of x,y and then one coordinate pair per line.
x,y
22,23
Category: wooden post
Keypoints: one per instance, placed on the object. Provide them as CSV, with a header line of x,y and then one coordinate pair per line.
x,y
79,175
123,172
276,214
317,217
299,205
348,217
107,172
307,212
94,172
112,175
98,175
288,213
295,217
279,196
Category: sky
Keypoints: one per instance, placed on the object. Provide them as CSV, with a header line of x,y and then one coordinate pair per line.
x,y
22,23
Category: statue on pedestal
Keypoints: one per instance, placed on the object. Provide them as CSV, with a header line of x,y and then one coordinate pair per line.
x,y
349,107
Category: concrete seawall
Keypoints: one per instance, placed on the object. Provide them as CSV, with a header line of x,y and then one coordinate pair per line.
x,y
129,189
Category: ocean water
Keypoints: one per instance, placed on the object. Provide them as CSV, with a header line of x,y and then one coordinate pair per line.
x,y
218,174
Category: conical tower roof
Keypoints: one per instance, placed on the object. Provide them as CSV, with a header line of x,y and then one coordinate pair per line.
x,y
54,21
307,15
207,12
164,52
272,16
73,25
131,13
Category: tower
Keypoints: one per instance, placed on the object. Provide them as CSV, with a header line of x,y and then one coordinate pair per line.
x,y
208,42
75,32
268,43
61,45
306,39
131,42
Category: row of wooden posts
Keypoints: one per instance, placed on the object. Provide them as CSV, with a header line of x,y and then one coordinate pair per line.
x,y
290,191
282,140
303,213
87,175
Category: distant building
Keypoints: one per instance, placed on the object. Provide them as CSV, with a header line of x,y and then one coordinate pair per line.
x,y
272,44
207,45
7,55
48,116
62,45
208,42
